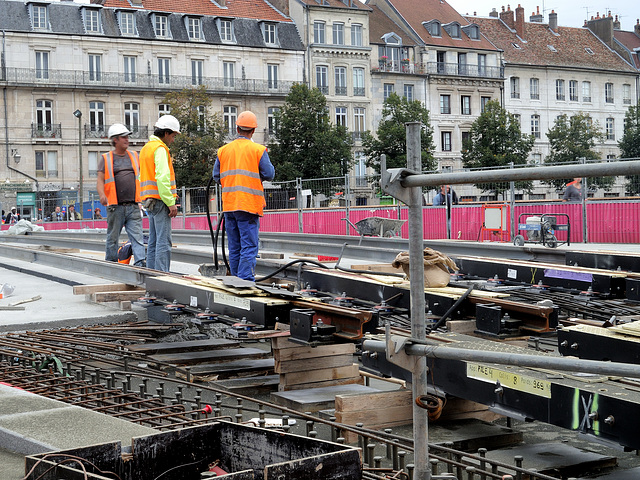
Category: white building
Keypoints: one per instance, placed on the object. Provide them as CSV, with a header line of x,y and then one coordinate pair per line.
x,y
114,61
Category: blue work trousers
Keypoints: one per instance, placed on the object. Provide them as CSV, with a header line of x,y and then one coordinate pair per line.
x,y
129,217
159,246
243,238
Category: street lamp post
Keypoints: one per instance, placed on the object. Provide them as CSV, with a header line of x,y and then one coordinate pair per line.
x,y
78,115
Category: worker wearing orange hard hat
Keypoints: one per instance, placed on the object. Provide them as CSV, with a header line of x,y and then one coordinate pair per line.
x,y
240,168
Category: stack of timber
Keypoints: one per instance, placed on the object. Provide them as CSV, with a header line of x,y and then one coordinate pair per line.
x,y
301,367
119,295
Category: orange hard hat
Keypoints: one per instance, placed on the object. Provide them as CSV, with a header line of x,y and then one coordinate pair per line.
x,y
247,120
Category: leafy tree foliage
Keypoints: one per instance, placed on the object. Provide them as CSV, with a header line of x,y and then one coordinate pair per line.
x,y
630,145
201,134
391,136
495,140
572,138
306,143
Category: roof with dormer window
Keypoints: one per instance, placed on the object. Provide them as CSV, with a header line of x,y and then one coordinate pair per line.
x,y
567,46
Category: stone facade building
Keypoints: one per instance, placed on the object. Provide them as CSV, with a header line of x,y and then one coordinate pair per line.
x,y
113,61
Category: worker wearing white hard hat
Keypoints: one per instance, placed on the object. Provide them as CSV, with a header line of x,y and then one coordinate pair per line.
x,y
158,190
119,189
12,217
240,168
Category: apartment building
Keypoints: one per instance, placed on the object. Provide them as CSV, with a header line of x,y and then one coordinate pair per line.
x,y
552,70
427,51
335,34
70,70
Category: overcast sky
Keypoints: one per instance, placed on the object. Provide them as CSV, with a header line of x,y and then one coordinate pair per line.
x,y
569,14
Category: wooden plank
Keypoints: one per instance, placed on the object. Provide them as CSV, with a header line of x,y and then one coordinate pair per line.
x,y
193,345
282,343
373,401
315,399
312,364
378,417
116,296
267,334
220,355
296,378
340,381
302,352
111,287
242,365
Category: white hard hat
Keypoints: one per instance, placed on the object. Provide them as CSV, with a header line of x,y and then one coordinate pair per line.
x,y
168,122
118,129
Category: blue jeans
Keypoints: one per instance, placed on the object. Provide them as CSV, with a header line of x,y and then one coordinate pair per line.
x,y
242,232
159,247
130,217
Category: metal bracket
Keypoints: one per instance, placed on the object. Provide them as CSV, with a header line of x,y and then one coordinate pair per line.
x,y
395,351
391,181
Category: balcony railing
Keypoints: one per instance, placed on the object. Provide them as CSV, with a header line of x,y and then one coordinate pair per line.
x,y
76,78
341,90
138,131
95,131
357,136
358,92
46,130
440,68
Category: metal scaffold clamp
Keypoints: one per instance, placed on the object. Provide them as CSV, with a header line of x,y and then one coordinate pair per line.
x,y
396,351
391,181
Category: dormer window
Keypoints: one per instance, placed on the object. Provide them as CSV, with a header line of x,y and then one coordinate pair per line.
x,y
194,28
433,27
453,29
472,31
91,20
161,26
127,23
225,27
269,33
39,17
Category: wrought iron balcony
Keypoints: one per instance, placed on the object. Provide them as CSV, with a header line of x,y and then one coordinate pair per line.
x,y
341,90
46,130
76,78
138,131
95,131
464,70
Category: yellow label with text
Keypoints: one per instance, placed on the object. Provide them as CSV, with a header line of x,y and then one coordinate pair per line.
x,y
514,381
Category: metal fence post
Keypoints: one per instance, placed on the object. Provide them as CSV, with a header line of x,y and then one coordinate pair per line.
x,y
585,194
512,218
299,202
347,202
184,207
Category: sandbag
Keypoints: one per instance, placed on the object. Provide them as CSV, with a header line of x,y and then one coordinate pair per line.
x,y
437,267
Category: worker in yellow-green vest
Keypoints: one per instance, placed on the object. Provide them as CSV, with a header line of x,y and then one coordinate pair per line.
x,y
240,168
158,190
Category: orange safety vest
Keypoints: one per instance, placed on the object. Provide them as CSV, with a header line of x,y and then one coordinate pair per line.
x,y
240,176
110,181
148,183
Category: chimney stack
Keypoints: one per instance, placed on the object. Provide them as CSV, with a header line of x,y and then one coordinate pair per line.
x,y
281,5
636,27
553,20
520,21
537,16
616,23
493,13
507,17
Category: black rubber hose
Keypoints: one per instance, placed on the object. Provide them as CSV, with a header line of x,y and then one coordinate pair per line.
x,y
214,238
301,260
224,252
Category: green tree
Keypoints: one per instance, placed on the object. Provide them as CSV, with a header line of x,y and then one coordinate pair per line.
x,y
630,145
201,134
306,143
391,136
573,138
496,140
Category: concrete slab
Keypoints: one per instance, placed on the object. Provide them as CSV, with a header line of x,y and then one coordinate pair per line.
x,y
58,305
470,434
555,458
315,399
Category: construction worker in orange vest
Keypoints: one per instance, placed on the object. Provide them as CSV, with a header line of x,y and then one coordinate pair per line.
x,y
119,189
240,168
158,190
